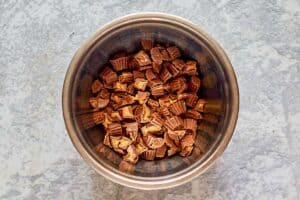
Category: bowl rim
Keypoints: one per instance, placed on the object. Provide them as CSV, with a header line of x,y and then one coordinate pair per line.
x,y
146,184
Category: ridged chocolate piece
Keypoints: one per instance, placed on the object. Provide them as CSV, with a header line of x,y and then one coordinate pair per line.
x,y
156,56
142,58
157,90
120,64
174,123
178,107
191,100
179,64
164,111
157,120
108,76
153,104
190,68
194,84
174,52
114,129
165,55
174,71
190,124
165,75
149,154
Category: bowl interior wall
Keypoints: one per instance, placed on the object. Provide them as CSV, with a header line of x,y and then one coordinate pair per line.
x,y
127,38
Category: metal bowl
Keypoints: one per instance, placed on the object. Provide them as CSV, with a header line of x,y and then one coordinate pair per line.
x,y
219,85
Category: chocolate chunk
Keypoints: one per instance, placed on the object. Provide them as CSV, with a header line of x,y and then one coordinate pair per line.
x,y
156,55
108,76
142,58
165,75
120,64
114,129
174,52
178,108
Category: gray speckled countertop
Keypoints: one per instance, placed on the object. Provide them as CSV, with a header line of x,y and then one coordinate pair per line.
x,y
37,41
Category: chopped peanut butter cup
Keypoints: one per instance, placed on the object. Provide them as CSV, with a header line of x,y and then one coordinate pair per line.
x,y
150,105
120,64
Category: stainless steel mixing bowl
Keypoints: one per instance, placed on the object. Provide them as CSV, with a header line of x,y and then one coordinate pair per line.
x,y
124,34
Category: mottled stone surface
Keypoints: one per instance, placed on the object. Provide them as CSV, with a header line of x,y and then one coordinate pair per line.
x,y
37,41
